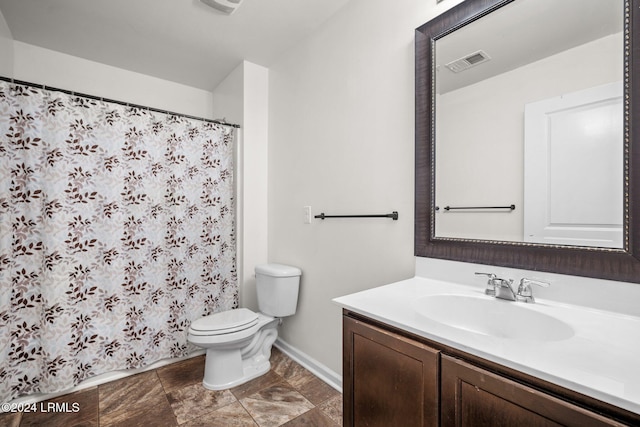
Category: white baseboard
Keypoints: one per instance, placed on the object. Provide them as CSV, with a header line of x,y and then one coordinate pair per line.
x,y
318,369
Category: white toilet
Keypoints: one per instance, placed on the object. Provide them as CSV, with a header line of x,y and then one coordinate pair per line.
x,y
239,341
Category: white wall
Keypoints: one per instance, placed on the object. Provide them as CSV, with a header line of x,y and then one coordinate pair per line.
x,y
341,140
243,99
43,66
255,137
228,97
6,49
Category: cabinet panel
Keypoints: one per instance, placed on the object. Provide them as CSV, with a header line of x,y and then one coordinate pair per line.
x,y
389,380
474,397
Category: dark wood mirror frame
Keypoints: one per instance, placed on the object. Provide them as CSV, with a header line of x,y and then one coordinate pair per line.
x,y
612,264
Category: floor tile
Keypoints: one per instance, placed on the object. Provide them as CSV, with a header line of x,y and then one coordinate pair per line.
x,y
316,390
183,373
276,356
195,401
312,418
256,384
276,405
233,415
295,374
70,410
173,395
10,419
138,400
333,408
289,369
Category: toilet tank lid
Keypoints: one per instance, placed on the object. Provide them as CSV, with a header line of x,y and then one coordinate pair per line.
x,y
278,270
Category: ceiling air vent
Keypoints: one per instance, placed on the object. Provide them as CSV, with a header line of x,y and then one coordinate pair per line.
x,y
468,61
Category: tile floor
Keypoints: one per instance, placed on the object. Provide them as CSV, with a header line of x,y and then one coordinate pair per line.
x,y
173,395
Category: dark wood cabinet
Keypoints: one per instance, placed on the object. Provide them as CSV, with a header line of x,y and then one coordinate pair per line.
x,y
389,380
474,397
394,378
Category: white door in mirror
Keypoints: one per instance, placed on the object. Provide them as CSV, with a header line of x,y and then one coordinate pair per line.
x,y
572,199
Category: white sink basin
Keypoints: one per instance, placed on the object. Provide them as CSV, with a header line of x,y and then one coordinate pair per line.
x,y
493,317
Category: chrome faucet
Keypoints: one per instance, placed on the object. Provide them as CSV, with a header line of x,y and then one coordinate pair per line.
x,y
525,293
501,288
504,289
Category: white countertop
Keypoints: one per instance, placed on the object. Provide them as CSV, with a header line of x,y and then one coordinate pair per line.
x,y
601,359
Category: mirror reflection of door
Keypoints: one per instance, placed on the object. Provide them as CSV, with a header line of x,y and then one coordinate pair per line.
x,y
485,73
573,169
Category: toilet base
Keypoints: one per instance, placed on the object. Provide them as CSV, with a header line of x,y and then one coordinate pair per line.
x,y
230,367
249,373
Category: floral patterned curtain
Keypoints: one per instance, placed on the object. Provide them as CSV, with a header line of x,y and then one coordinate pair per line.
x,y
117,228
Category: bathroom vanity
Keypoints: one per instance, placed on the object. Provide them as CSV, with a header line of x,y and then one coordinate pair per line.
x,y
433,350
518,364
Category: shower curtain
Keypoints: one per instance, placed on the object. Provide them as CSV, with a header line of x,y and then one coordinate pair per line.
x,y
117,229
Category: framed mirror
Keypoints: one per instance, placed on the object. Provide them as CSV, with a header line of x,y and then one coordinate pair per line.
x,y
525,125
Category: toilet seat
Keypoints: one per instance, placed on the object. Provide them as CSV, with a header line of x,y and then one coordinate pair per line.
x,y
225,322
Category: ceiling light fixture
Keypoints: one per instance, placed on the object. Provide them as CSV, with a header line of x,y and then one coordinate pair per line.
x,y
225,6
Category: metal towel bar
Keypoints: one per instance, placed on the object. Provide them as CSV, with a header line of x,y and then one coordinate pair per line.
x,y
451,208
393,215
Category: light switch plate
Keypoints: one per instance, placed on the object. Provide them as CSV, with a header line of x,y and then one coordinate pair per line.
x,y
307,214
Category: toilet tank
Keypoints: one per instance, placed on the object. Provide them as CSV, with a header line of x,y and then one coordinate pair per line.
x,y
277,286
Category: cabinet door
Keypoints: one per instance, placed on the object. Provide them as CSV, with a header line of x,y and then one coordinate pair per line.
x,y
389,380
473,397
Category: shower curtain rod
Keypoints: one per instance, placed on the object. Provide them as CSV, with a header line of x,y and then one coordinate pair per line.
x,y
128,104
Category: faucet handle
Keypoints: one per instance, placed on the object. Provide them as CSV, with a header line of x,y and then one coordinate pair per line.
x,y
489,275
525,293
491,283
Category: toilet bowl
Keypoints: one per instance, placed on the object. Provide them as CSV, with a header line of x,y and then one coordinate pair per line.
x,y
239,341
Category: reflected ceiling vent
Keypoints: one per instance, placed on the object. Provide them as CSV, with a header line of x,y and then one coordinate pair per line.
x,y
476,58
225,6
